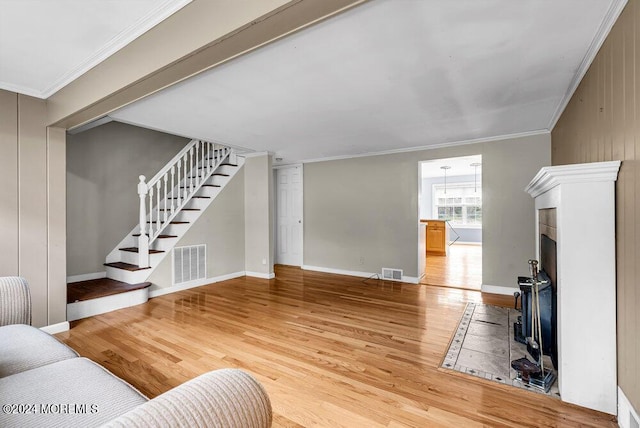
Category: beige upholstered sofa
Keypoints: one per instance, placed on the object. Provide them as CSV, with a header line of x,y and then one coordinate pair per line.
x,y
45,383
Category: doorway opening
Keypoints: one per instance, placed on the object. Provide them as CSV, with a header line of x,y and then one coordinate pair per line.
x,y
450,212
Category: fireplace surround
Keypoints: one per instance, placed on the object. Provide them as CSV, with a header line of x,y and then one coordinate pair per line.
x,y
583,196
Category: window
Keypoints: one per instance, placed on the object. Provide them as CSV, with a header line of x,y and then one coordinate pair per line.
x,y
461,205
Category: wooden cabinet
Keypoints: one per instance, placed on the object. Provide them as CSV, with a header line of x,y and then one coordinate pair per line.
x,y
437,237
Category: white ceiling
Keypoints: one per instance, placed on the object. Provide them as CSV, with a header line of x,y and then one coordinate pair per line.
x,y
46,44
390,75
458,166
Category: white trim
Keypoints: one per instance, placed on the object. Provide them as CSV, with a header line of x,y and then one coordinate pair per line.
x,y
122,39
261,275
253,154
289,165
551,176
90,125
193,284
56,328
625,410
102,305
407,279
20,89
498,289
615,9
86,277
434,146
465,242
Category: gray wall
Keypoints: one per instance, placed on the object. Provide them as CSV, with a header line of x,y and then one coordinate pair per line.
x,y
221,228
368,208
103,165
467,234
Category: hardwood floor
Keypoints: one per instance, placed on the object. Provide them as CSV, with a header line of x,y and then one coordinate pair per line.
x,y
461,268
331,350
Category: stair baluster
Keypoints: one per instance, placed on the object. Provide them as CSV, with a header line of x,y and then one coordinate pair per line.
x,y
186,176
173,188
158,222
195,169
150,210
191,170
143,240
166,179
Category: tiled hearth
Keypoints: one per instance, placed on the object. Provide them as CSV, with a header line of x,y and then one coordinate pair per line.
x,y
483,346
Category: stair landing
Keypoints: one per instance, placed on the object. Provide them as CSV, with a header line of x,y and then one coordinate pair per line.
x,y
96,288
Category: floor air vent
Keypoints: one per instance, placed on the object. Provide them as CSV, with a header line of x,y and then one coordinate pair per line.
x,y
189,263
392,274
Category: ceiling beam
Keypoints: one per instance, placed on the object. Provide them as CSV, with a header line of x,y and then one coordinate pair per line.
x,y
148,64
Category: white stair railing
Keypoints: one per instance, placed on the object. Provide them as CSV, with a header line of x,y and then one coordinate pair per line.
x,y
171,188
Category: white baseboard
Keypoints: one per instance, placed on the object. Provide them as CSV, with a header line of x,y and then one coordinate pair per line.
x,y
408,279
56,328
498,289
193,284
626,412
261,275
467,243
86,277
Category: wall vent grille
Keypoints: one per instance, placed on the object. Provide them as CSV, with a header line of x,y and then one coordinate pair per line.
x,y
392,274
189,263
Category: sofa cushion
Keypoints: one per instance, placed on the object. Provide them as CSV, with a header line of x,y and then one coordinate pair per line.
x,y
71,393
25,347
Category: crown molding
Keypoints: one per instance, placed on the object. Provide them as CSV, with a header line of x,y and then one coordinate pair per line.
x,y
551,176
141,26
254,154
20,89
615,9
433,146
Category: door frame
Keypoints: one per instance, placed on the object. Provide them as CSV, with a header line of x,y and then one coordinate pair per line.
x,y
275,204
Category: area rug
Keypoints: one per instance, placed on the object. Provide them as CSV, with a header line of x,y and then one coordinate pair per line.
x,y
483,346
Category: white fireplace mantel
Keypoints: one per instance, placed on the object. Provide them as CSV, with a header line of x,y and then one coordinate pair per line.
x,y
584,198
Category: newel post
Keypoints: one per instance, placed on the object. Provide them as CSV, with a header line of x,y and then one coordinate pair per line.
x,y
143,240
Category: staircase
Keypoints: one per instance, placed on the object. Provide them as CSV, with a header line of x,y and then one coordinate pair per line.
x,y
170,203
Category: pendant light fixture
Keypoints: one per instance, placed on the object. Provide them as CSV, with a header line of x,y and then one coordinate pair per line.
x,y
445,167
475,165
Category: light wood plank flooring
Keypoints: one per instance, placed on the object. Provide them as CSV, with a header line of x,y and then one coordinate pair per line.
x,y
331,351
460,268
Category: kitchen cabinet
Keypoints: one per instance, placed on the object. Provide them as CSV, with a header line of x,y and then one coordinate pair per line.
x,y
437,238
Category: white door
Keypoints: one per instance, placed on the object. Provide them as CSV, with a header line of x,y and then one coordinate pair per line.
x,y
289,216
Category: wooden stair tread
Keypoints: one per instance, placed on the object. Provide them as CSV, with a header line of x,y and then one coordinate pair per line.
x,y
171,222
96,288
222,164
204,185
135,250
219,174
159,236
125,266
182,209
193,197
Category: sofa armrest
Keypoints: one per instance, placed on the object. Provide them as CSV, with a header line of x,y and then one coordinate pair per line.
x,y
222,398
15,301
